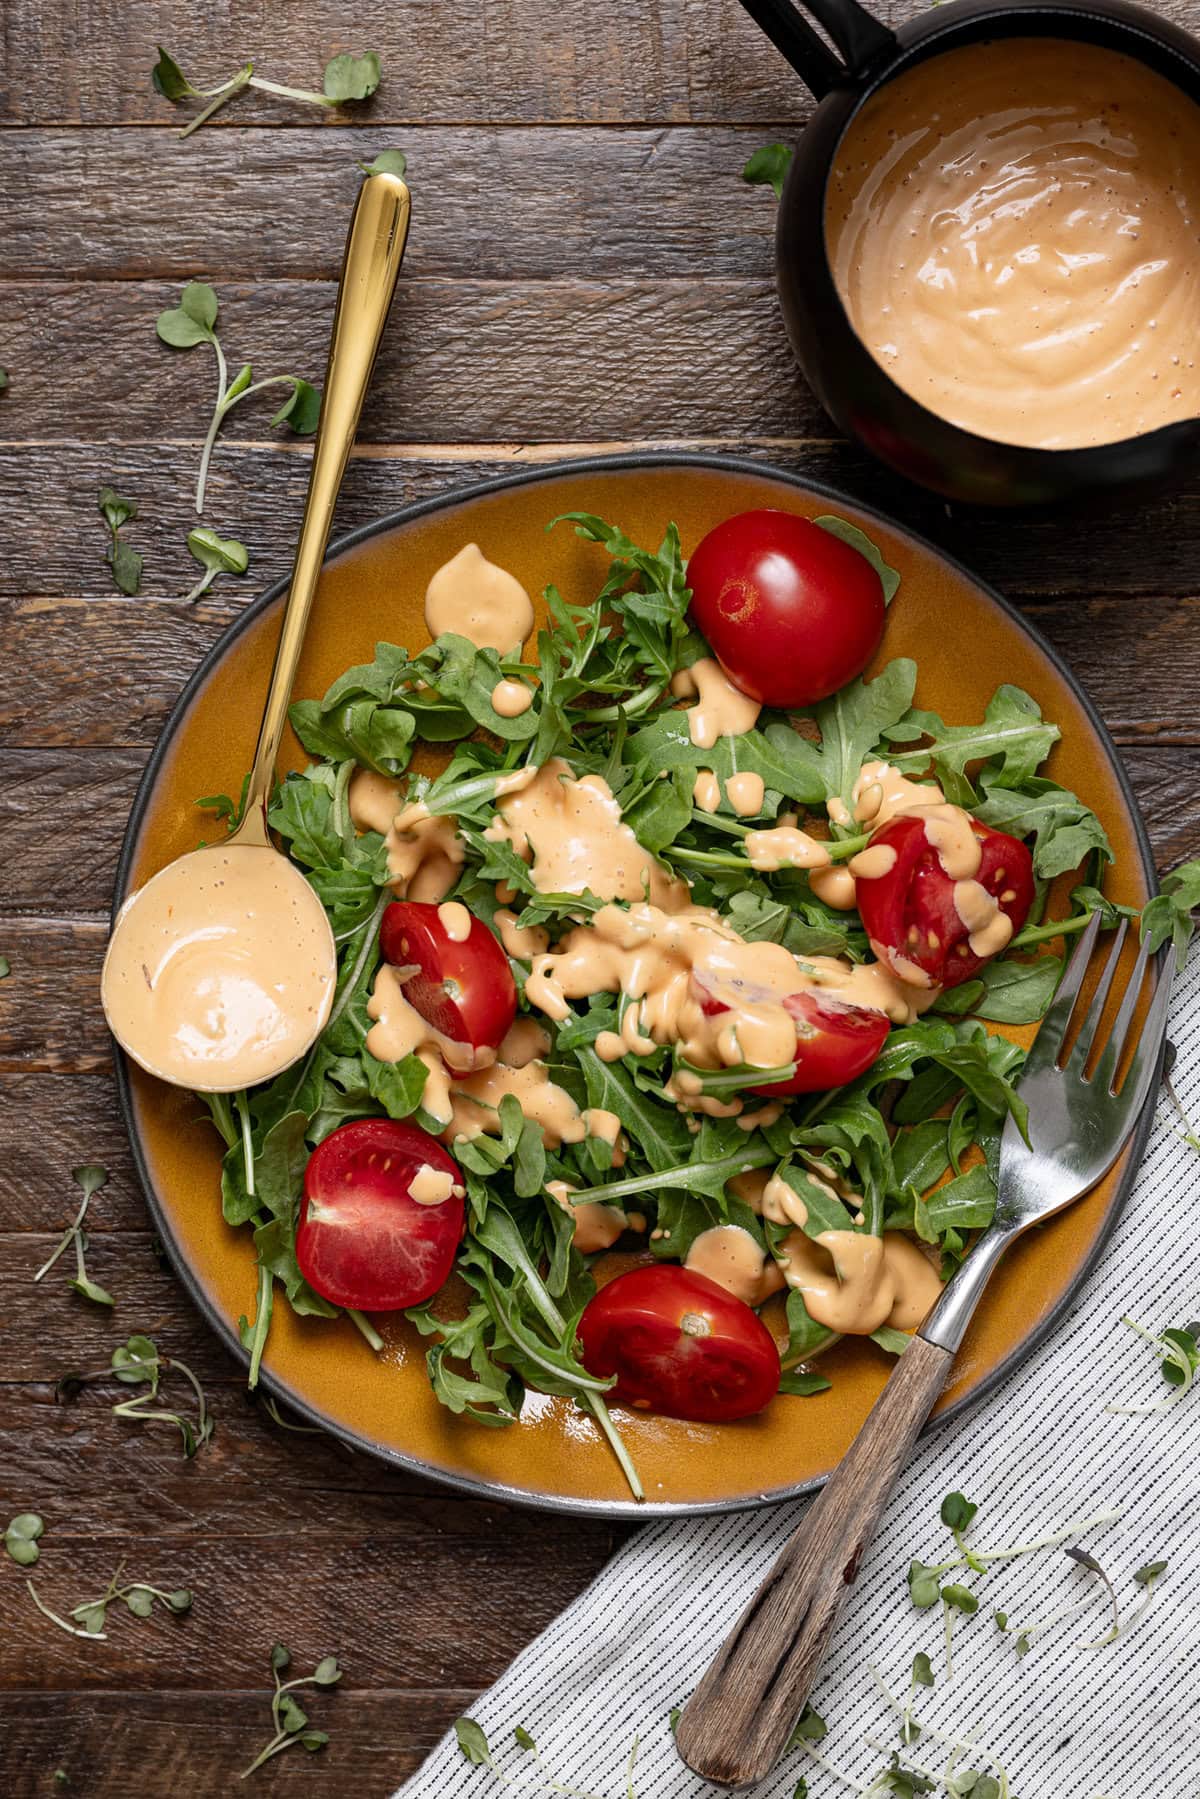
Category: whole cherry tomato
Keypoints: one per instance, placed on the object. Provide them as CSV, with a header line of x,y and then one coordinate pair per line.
x,y
679,1344
381,1216
911,915
792,612
463,986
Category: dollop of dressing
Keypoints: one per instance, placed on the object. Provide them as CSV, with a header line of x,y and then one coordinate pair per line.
x,y
1013,230
433,1186
721,710
511,698
455,920
854,1283
571,833
476,599
225,974
730,1256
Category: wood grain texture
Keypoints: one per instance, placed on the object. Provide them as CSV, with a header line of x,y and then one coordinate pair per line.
x,y
736,1724
257,491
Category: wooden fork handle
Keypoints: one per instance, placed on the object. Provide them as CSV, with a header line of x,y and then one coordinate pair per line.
x,y
737,1723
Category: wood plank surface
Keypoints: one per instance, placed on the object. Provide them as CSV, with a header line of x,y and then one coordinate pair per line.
x,y
586,271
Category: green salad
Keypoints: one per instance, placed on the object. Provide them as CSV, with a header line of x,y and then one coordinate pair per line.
x,y
759,1066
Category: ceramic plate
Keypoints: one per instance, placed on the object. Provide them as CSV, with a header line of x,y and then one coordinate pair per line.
x,y
966,641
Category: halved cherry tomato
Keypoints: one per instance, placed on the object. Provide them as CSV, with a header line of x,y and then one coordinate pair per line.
x,y
910,914
791,611
835,1042
363,1241
465,989
679,1344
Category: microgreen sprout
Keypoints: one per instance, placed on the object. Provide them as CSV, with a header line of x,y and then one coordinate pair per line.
x,y
955,1598
475,1748
388,162
1144,1577
122,559
194,321
5,968
924,1579
1180,1353
91,1177
3,380
21,1538
288,1717
957,1514
768,167
137,1362
968,1781
1188,1134
1085,1559
922,1675
217,556
347,78
89,1618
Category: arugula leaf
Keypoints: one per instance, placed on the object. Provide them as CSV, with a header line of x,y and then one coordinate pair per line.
x,y
768,166
788,763
855,719
1013,738
1065,831
1168,917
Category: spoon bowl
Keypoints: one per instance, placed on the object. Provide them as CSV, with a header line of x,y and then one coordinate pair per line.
x,y
221,970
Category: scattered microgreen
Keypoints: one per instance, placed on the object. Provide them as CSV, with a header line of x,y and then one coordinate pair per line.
x,y
5,968
956,1515
21,1538
137,1362
388,162
347,78
1085,1559
123,560
288,1718
91,1177
217,556
3,380
90,1617
768,167
194,321
1180,1356
523,1739
472,1742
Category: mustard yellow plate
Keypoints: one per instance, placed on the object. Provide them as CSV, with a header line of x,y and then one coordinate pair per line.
x,y
966,641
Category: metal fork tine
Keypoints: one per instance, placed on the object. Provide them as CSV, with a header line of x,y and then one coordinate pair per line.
x,y
1114,1049
1144,1067
1050,1038
1095,1011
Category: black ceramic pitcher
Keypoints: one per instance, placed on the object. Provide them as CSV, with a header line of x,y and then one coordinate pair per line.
x,y
851,384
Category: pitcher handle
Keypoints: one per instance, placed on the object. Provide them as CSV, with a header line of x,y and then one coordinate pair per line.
x,y
861,38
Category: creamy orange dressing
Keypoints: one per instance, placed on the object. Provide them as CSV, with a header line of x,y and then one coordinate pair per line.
x,y
521,942
399,1030
433,1186
225,974
511,698
607,1127
475,598
597,1226
700,986
455,920
854,1283
989,929
730,1256
745,794
572,835
476,1104
424,852
876,860
834,887
1013,229
721,710
784,846
880,793
525,1041
706,793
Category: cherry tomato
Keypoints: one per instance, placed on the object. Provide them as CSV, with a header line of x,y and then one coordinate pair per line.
x,y
910,914
363,1241
792,612
835,1041
465,989
679,1344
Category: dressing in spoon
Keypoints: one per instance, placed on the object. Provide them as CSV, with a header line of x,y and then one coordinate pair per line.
x,y
220,971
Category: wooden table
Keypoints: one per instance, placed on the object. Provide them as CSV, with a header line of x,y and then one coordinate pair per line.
x,y
585,270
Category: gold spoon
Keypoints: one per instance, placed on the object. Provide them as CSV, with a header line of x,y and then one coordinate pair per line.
x,y
220,971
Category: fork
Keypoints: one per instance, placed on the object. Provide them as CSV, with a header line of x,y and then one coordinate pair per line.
x,y
739,1720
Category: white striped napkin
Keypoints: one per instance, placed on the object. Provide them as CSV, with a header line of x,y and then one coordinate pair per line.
x,y
1066,1722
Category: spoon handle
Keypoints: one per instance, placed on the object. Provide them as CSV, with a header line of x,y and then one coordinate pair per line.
x,y
737,1723
374,252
